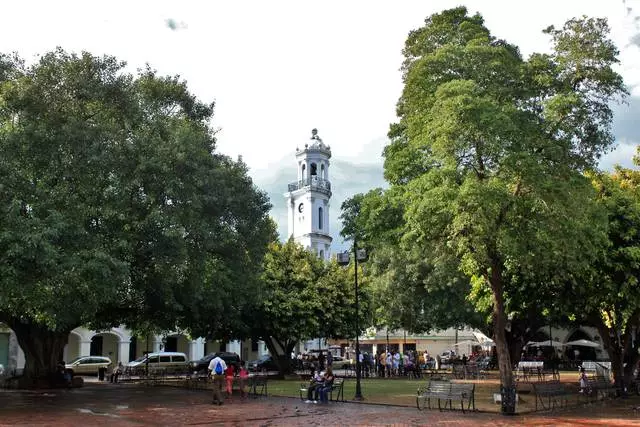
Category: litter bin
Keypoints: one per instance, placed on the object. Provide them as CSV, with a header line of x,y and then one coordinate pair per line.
x,y
101,372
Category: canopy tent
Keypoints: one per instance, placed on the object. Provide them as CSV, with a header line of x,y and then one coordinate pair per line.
x,y
583,343
547,343
484,340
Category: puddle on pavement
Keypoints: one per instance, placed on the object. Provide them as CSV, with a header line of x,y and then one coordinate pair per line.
x,y
92,412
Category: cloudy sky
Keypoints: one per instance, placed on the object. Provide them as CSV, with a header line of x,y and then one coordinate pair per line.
x,y
276,69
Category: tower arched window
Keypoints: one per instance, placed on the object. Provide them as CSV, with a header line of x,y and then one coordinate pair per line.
x,y
304,171
320,219
322,171
314,169
321,254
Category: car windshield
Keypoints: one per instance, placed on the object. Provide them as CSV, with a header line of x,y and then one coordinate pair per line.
x,y
76,359
141,359
263,358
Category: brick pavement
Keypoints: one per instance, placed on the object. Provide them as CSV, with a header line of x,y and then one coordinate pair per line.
x,y
136,405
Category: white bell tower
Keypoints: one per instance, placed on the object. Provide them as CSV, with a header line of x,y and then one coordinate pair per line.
x,y
308,198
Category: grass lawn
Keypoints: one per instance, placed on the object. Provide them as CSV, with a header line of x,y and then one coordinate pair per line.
x,y
401,391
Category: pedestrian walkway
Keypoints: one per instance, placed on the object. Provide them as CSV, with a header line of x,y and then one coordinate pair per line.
x,y
135,405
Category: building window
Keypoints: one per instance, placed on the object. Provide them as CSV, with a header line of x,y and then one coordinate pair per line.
x,y
254,344
320,218
321,254
314,169
322,175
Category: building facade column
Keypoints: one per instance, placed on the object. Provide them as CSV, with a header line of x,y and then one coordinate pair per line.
x,y
123,351
196,349
234,347
85,348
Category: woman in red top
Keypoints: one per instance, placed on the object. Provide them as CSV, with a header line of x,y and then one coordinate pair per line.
x,y
228,374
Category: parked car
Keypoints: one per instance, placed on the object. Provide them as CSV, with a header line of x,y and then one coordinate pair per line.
x,y
201,365
447,357
340,362
170,362
87,365
264,363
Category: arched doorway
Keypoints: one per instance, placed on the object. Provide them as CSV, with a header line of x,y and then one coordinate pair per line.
x,y
105,344
177,342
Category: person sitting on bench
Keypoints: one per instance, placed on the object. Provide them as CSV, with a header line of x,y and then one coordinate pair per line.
x,y
316,382
327,386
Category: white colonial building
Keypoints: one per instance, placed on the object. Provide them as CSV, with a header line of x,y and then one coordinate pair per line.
x,y
308,198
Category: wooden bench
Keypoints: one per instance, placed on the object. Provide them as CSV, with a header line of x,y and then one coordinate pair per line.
x,y
529,371
600,387
553,391
447,391
337,386
470,371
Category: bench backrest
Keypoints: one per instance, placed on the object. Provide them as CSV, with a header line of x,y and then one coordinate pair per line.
x,y
530,364
439,386
462,387
548,387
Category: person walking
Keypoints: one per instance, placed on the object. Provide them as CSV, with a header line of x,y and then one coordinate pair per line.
x,y
244,376
228,376
216,369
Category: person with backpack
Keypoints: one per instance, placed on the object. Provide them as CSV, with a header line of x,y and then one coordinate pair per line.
x,y
217,367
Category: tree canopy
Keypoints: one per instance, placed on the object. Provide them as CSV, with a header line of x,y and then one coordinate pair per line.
x,y
488,158
116,208
302,297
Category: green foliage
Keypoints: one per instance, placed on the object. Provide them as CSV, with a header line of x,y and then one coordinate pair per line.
x,y
302,297
488,158
608,291
115,207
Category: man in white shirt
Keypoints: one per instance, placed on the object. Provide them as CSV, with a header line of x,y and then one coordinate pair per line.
x,y
217,367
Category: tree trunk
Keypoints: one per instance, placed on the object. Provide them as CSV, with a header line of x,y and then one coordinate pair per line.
x,y
43,350
283,361
619,352
507,385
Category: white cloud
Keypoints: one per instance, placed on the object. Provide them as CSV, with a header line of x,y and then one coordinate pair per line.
x,y
278,69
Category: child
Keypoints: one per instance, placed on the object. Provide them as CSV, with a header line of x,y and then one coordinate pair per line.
x,y
584,384
228,374
244,376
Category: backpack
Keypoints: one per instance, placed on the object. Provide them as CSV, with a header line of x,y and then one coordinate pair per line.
x,y
218,369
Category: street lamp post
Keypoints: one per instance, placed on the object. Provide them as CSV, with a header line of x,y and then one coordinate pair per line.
x,y
343,259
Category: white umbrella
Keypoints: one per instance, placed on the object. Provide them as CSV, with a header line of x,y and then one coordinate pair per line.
x,y
583,343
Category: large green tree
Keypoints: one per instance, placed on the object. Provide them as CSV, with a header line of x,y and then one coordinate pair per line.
x,y
608,293
407,288
114,207
490,150
301,297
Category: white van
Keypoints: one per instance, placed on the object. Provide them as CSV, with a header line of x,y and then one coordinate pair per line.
x,y
169,362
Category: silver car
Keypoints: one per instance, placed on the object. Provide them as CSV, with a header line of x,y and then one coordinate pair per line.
x,y
87,365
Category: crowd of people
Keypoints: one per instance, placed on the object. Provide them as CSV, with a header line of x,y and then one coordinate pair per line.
x,y
388,364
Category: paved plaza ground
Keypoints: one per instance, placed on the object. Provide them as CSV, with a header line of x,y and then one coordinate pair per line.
x,y
139,405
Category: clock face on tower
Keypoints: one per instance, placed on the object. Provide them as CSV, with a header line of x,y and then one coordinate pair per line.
x,y
301,207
